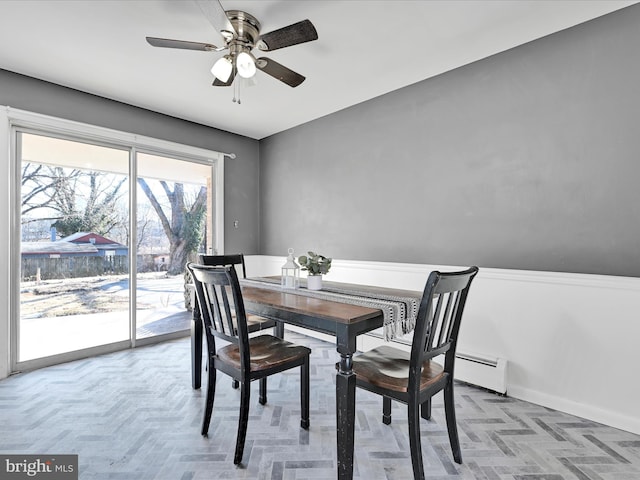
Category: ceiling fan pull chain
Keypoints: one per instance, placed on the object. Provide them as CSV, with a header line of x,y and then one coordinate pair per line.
x,y
239,82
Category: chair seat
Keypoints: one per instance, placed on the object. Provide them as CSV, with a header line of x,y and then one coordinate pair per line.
x,y
387,367
266,352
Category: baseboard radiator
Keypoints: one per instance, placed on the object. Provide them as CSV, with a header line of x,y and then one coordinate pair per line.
x,y
473,368
482,370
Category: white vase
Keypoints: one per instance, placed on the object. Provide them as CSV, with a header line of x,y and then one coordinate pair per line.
x,y
314,282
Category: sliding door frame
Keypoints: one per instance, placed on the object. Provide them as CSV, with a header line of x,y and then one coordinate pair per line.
x,y
14,121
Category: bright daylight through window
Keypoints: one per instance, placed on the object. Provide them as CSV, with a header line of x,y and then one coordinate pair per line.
x,y
77,241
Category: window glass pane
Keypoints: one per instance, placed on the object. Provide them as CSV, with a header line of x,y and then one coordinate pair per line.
x,y
74,291
173,226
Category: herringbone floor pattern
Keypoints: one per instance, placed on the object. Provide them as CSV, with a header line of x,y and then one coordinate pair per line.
x,y
133,415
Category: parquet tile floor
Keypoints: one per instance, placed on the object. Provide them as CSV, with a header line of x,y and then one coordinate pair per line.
x,y
133,415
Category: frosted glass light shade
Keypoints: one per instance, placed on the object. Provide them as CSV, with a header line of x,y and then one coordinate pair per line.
x,y
246,65
222,69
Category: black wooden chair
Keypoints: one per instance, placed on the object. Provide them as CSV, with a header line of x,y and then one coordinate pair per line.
x,y
244,359
254,322
413,378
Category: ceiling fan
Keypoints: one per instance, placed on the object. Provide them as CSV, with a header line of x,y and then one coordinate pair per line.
x,y
241,34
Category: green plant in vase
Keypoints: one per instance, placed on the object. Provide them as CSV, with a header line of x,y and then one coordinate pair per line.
x,y
317,265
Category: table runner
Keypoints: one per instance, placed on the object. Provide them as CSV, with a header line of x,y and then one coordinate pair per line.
x,y
399,311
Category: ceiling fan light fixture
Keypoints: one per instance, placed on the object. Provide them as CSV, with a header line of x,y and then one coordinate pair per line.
x,y
246,65
222,69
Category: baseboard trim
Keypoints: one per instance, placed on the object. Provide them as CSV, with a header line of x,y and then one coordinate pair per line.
x,y
599,415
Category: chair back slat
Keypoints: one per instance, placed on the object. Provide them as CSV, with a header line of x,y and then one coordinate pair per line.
x,y
438,321
221,318
210,307
447,321
433,325
228,322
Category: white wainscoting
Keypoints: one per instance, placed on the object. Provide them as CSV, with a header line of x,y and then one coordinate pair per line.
x,y
571,341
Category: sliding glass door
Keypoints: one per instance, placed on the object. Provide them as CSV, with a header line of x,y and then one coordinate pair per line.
x,y
105,232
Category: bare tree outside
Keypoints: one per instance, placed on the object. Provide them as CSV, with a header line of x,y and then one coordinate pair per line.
x,y
74,200
87,202
182,220
39,184
149,232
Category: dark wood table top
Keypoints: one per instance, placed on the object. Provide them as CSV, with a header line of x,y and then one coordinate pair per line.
x,y
308,306
343,320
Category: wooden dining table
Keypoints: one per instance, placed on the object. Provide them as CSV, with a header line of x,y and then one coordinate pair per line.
x,y
342,320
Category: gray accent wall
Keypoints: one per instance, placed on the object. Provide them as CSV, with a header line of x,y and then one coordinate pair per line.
x,y
529,159
241,174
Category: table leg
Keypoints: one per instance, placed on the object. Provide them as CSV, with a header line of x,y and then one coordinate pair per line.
x,y
196,348
279,330
345,415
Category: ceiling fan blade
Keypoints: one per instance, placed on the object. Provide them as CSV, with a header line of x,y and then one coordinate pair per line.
x,y
214,12
168,43
280,72
300,32
220,83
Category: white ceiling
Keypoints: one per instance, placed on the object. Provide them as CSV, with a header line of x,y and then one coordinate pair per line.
x,y
365,49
